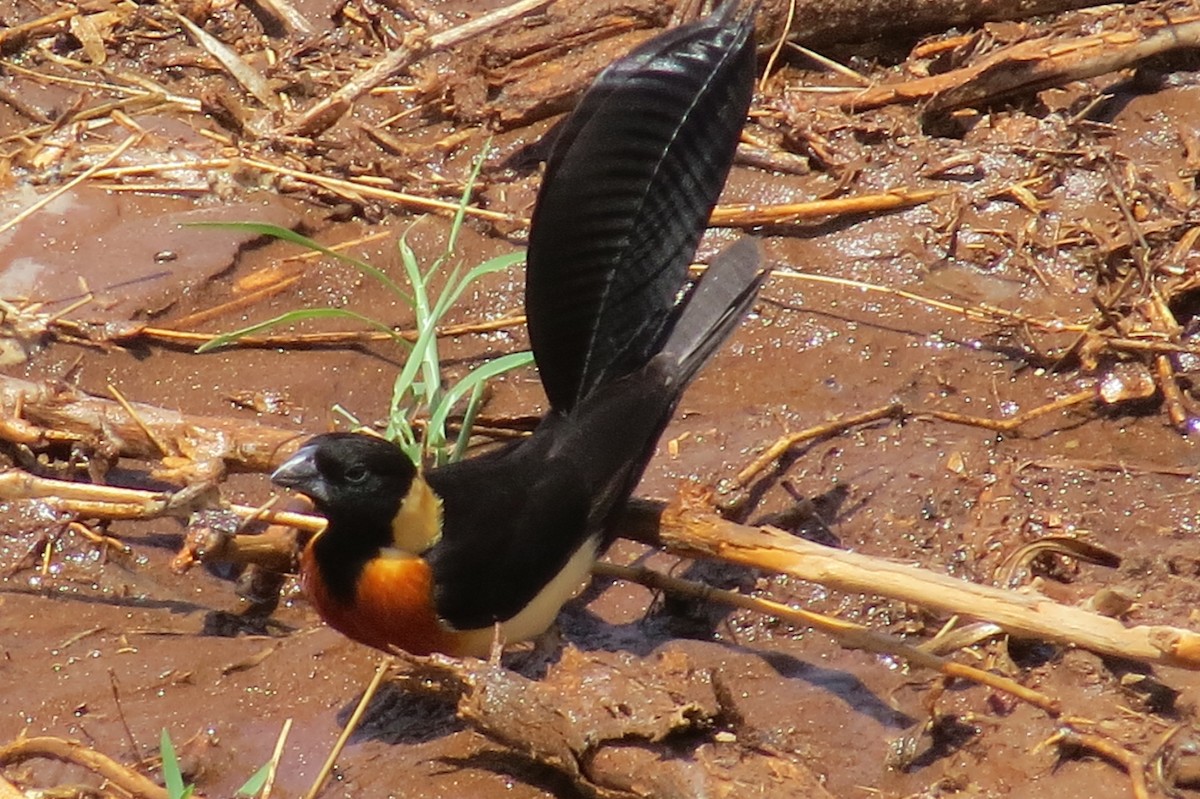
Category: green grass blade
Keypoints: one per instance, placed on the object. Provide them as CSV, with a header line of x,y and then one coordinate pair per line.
x,y
172,774
468,423
453,293
292,237
461,213
477,376
225,339
425,351
256,782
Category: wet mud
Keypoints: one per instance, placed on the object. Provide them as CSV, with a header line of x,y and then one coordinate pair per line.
x,y
1070,204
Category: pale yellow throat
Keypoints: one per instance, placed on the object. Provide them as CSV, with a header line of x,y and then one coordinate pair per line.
x,y
418,524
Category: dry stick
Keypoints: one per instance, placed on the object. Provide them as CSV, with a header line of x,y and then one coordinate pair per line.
x,y
247,300
276,756
234,64
780,40
123,777
693,530
1029,65
825,21
62,414
358,189
1014,422
993,314
115,685
113,155
894,410
351,725
848,634
351,189
981,312
1134,766
162,335
132,503
156,94
756,214
290,16
328,111
10,791
829,428
137,419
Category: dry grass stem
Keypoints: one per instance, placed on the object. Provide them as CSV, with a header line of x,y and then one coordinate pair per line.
x,y
745,215
276,756
36,414
351,725
326,113
165,336
133,414
356,190
1014,422
848,634
1111,751
691,529
87,500
248,77
50,197
832,427
1031,65
123,777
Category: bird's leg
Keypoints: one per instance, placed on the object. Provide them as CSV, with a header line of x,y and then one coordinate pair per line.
x,y
497,645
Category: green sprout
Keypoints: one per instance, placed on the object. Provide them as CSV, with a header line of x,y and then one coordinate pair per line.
x,y
173,774
419,390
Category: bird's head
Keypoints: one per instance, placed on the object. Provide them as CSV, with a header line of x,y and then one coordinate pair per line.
x,y
363,482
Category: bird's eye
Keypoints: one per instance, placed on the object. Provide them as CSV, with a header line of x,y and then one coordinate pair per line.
x,y
355,474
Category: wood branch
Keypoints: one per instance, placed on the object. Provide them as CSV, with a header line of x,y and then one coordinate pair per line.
x,y
1029,66
609,740
847,633
66,751
820,22
327,112
758,214
113,502
691,529
44,414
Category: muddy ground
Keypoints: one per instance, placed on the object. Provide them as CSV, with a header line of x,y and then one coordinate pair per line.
x,y
1066,204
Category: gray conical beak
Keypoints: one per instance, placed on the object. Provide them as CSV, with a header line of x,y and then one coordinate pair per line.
x,y
300,473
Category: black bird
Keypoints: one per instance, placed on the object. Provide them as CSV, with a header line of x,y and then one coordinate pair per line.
x,y
433,561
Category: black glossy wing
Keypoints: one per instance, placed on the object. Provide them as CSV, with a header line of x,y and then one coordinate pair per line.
x,y
627,193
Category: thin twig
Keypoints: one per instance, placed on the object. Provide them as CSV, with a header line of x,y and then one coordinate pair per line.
x,y
325,113
745,215
832,427
1133,765
123,777
137,419
847,633
690,528
113,155
351,726
276,756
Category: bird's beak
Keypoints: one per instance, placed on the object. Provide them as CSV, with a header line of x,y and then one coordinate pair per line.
x,y
300,474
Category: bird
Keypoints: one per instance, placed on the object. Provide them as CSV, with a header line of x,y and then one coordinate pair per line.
x,y
458,558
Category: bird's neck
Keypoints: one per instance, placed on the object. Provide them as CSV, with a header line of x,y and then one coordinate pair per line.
x,y
417,525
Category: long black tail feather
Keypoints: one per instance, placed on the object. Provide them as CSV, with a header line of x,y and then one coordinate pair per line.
x,y
714,307
626,196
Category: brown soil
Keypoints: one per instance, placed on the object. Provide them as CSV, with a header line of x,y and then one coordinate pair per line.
x,y
110,648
